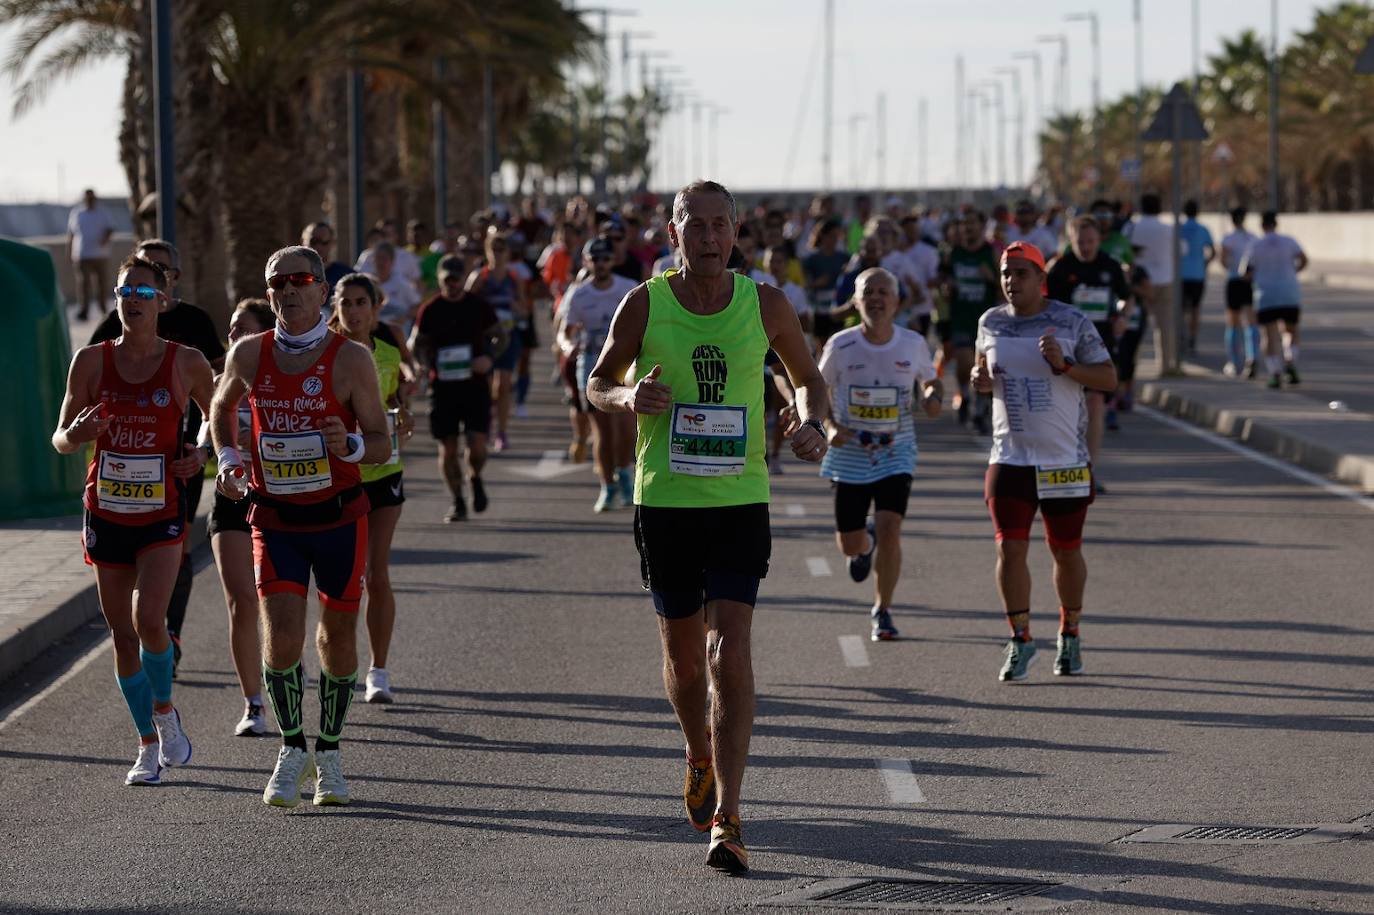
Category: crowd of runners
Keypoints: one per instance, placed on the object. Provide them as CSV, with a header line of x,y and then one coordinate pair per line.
x,y
695,343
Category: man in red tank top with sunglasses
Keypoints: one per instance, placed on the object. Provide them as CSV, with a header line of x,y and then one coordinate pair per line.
x,y
317,414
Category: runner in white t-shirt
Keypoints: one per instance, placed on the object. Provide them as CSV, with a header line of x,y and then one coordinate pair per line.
x,y
587,310
1036,356
875,373
924,261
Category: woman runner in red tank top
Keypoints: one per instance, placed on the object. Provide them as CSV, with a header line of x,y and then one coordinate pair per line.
x,y
291,464
127,398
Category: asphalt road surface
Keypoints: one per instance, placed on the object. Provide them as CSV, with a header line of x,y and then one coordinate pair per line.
x,y
531,763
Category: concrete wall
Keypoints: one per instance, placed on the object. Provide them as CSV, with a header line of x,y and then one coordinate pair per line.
x,y
1347,237
121,246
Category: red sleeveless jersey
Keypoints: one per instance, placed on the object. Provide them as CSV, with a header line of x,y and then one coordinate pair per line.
x,y
291,463
129,480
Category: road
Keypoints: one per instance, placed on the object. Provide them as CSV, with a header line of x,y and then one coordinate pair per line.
x,y
531,763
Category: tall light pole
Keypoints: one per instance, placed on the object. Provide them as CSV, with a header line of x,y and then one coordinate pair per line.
x,y
714,162
1061,78
1091,19
854,121
828,101
1034,58
1139,102
880,141
1274,105
1197,87
978,100
440,118
922,177
163,119
961,131
1020,111
996,87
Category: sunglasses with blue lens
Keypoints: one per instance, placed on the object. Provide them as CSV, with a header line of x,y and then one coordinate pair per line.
x,y
146,293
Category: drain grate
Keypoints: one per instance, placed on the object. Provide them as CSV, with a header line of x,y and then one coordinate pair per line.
x,y
933,892
1243,833
1295,834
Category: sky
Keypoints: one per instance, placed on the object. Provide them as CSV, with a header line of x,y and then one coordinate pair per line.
x,y
759,63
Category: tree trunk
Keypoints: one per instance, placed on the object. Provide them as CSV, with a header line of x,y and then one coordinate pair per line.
x,y
251,192
197,139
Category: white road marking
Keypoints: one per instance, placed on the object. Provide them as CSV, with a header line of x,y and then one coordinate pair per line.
x,y
551,464
901,784
81,664
796,510
854,651
818,567
1296,473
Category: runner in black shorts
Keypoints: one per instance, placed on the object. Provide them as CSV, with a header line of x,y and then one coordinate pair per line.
x,y
232,543
701,483
456,337
1089,279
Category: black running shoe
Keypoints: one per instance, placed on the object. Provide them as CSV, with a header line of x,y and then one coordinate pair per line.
x,y
458,512
479,496
1291,371
861,565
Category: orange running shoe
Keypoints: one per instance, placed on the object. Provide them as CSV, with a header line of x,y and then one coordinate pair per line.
x,y
699,793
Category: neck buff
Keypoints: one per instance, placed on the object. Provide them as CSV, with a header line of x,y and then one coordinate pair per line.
x,y
299,343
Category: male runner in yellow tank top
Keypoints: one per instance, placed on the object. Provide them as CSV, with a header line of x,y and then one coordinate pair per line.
x,y
695,339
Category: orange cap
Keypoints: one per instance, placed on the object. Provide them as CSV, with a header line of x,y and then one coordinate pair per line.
x,y
1026,251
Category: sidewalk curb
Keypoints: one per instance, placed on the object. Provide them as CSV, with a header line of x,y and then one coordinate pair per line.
x,y
1354,470
59,615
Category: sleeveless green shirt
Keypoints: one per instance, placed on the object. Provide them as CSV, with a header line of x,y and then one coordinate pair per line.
x,y
388,361
708,450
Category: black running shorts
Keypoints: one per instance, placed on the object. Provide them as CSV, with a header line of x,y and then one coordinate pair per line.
x,y
689,556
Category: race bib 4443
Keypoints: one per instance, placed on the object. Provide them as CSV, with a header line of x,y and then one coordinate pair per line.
x,y
708,440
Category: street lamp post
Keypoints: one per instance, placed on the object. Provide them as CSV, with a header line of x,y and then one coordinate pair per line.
x,y
1061,78
1020,111
162,117
1091,19
996,87
1034,58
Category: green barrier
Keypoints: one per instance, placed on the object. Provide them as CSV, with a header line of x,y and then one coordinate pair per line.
x,y
34,352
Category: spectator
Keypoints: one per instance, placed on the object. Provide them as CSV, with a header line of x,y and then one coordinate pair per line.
x,y
88,245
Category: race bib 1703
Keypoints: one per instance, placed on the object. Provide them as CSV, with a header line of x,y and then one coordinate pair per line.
x,y
294,463
131,484
708,440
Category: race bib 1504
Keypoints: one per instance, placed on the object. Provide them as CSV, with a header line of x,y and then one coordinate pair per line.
x,y
1070,482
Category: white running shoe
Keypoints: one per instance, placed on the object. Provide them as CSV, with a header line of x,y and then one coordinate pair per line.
x,y
253,723
294,768
147,770
378,687
330,787
175,745
606,501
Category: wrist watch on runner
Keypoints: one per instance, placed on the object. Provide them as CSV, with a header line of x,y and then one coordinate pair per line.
x,y
817,425
1068,364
